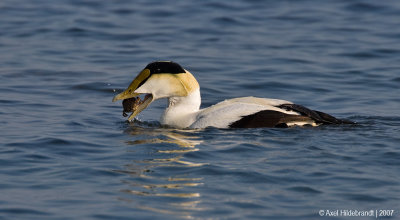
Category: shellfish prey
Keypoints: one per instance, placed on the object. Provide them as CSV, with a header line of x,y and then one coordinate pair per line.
x,y
135,105
130,105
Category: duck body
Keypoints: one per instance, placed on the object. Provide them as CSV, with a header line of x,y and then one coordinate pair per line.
x,y
165,79
233,113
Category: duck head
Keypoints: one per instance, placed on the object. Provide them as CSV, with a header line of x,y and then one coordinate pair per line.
x,y
160,79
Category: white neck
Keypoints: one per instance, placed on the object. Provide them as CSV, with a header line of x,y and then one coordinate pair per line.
x,y
182,111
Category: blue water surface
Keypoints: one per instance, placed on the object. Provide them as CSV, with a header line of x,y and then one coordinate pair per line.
x,y
66,152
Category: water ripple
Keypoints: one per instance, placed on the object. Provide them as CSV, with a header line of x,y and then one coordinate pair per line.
x,y
65,145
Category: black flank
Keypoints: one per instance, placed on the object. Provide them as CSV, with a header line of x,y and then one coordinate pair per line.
x,y
267,118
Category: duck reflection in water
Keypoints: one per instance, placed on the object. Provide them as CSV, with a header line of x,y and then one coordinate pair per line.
x,y
160,178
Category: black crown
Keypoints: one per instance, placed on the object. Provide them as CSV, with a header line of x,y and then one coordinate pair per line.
x,y
164,67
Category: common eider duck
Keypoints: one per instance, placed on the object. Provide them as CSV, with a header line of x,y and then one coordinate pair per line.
x,y
166,79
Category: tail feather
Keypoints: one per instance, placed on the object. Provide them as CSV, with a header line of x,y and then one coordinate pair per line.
x,y
329,119
317,116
